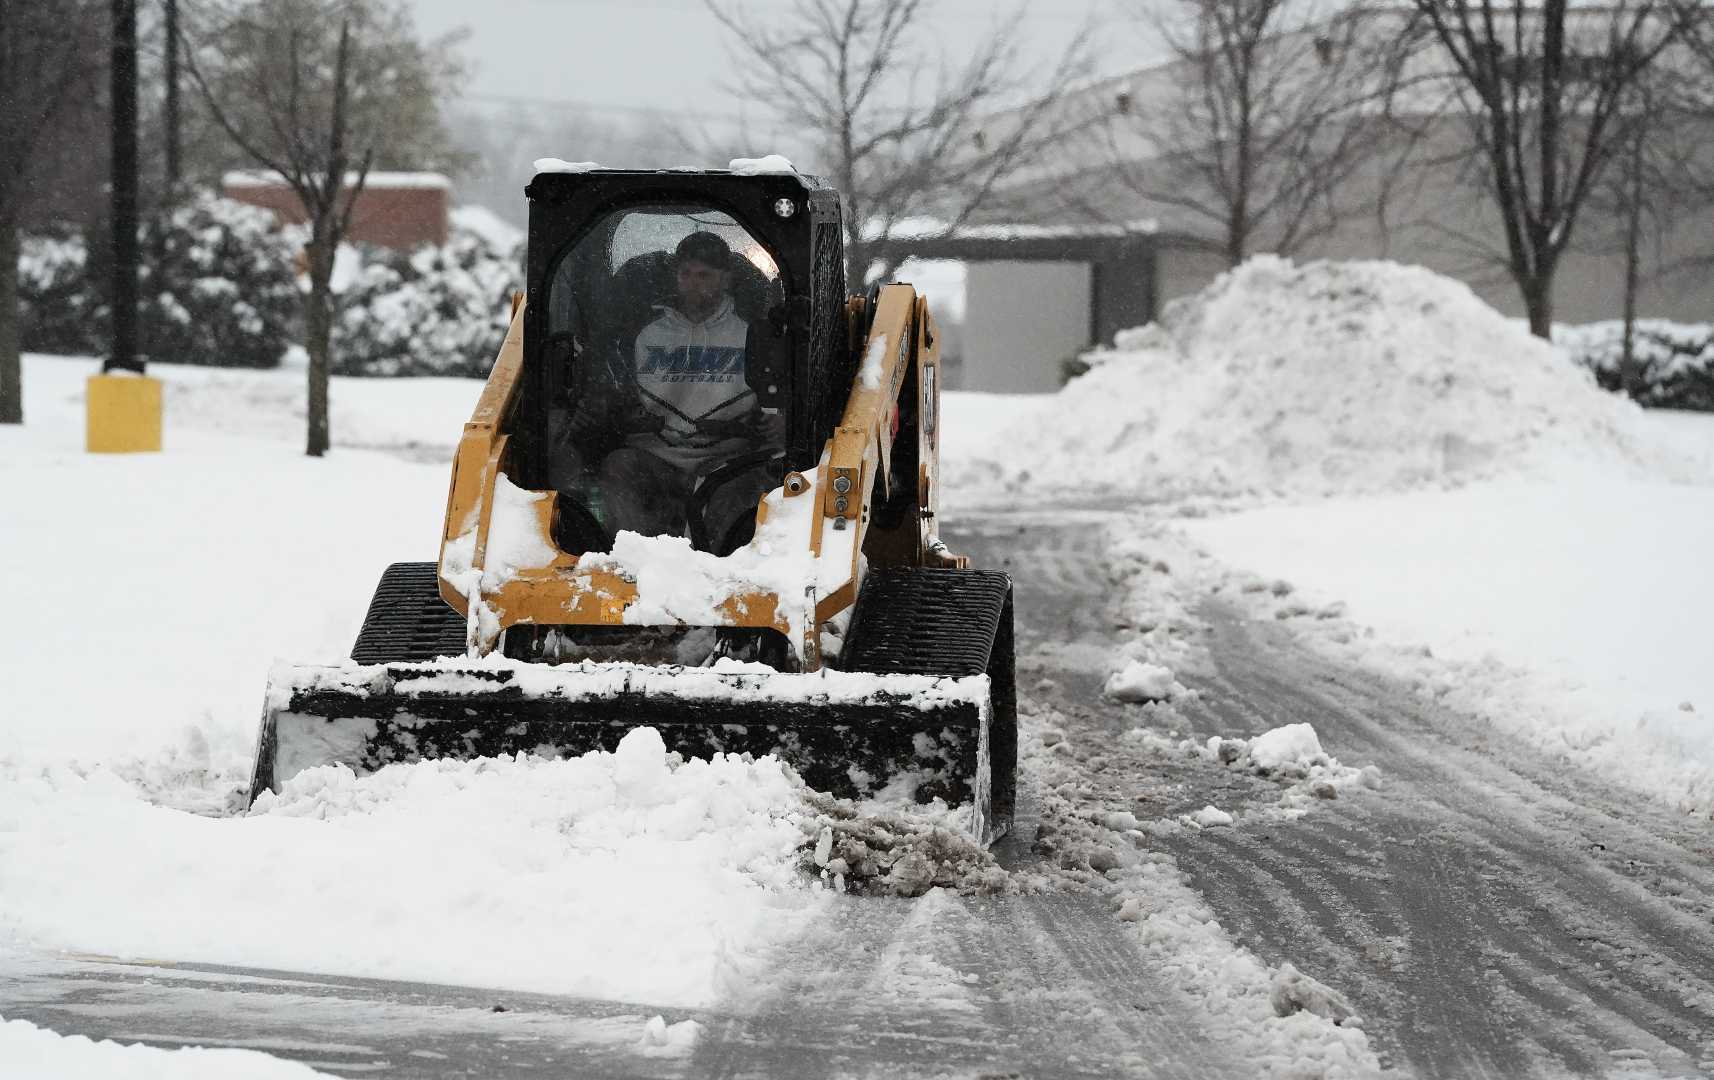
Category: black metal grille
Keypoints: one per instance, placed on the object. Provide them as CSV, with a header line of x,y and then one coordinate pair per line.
x,y
830,361
407,619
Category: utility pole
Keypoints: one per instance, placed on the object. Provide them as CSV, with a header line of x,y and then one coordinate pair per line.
x,y
172,75
123,406
123,354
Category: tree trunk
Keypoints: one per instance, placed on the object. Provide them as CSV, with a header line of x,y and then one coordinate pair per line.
x,y
318,341
11,371
1538,304
1235,245
1630,374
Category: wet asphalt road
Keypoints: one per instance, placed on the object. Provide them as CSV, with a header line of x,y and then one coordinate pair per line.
x,y
1486,913
1489,912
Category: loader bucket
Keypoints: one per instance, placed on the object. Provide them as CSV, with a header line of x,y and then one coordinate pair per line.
x,y
845,733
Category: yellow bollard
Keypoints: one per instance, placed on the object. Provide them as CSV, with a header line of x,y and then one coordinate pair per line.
x,y
124,414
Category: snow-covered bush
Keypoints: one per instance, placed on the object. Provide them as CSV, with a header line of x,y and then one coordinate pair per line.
x,y
55,303
1675,360
436,311
216,287
219,286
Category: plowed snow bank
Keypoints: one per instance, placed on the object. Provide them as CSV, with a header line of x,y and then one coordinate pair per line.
x,y
1325,378
627,876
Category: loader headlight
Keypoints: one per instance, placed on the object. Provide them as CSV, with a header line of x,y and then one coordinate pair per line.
x,y
784,207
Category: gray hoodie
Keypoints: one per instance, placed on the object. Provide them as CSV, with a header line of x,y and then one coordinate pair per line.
x,y
689,371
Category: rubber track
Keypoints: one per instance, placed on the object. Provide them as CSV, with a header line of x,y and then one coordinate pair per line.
x,y
919,621
407,620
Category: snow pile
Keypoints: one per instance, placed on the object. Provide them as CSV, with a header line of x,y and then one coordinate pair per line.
x,y
1323,378
29,1052
626,876
870,848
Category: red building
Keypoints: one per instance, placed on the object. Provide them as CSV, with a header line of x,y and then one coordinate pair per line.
x,y
395,210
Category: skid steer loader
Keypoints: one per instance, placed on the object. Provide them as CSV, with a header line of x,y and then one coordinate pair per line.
x,y
786,591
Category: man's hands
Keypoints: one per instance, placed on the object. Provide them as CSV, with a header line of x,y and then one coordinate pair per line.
x,y
758,424
771,426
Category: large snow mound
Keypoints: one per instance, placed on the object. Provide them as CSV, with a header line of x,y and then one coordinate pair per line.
x,y
1324,378
628,876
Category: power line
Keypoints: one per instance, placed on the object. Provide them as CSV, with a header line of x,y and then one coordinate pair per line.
x,y
604,106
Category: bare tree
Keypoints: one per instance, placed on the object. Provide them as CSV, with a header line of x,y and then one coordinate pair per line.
x,y
1544,86
1661,176
49,55
319,92
902,132
1264,111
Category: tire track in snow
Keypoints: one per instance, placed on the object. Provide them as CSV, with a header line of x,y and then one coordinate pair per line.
x,y
1489,856
1488,912
1044,986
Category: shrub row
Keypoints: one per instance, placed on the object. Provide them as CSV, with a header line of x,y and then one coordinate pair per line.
x,y
1675,361
220,289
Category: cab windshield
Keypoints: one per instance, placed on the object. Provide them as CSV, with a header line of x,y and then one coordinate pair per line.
x,y
664,347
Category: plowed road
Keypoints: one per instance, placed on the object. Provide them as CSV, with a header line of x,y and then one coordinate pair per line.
x,y
1485,912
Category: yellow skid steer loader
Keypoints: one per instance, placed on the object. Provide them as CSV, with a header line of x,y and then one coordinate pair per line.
x,y
698,492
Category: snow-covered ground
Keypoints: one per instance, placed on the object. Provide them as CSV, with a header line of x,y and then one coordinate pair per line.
x,y
1372,435
1509,538
162,588
34,1053
1572,611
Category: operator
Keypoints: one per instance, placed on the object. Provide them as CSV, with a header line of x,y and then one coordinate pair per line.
x,y
695,410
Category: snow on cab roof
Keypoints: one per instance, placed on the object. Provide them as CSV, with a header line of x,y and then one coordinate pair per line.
x,y
767,165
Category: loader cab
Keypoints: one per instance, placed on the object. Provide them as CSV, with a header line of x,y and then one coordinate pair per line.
x,y
650,403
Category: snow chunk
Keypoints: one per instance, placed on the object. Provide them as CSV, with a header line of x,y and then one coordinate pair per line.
x,y
1293,744
768,165
560,165
1140,681
1210,817
39,1054
661,1039
1293,991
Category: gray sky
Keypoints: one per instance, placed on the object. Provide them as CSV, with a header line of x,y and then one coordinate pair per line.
x,y
642,58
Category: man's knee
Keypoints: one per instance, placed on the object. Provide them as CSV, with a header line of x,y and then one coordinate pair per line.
x,y
627,465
